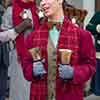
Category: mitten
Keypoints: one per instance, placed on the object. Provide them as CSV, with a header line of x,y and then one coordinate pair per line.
x,y
38,68
65,71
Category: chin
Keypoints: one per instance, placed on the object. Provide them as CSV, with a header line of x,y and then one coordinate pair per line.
x,y
48,15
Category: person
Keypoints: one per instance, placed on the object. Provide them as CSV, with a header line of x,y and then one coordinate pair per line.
x,y
53,74
7,36
22,9
19,87
4,63
94,27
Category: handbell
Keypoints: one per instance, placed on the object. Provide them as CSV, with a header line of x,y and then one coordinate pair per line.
x,y
35,53
65,56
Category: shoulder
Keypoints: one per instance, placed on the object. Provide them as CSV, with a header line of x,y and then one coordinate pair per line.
x,y
97,13
35,36
95,17
85,37
9,11
82,33
69,26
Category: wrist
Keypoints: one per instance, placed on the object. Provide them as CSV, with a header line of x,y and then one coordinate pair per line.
x,y
39,60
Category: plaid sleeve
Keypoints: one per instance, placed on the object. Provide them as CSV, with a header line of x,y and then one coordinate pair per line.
x,y
87,66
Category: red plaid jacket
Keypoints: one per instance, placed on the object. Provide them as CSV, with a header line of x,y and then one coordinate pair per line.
x,y
18,7
83,61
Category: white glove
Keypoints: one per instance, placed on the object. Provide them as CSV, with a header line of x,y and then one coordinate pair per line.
x,y
8,35
40,14
98,28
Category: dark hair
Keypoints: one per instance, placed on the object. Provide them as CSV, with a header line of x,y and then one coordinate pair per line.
x,y
66,4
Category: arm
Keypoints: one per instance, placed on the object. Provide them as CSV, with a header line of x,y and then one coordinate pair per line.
x,y
27,65
87,66
27,60
11,34
33,70
8,35
91,27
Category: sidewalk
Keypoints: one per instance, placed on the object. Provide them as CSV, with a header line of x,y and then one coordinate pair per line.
x,y
92,97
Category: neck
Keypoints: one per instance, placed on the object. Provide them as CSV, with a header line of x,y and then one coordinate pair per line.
x,y
57,15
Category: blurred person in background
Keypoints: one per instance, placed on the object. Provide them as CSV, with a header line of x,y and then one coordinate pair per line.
x,y
1,12
4,62
94,27
19,87
22,9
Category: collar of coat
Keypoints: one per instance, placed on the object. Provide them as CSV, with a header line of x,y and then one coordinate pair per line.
x,y
43,31
66,25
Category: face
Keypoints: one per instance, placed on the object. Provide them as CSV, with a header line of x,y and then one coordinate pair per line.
x,y
50,7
